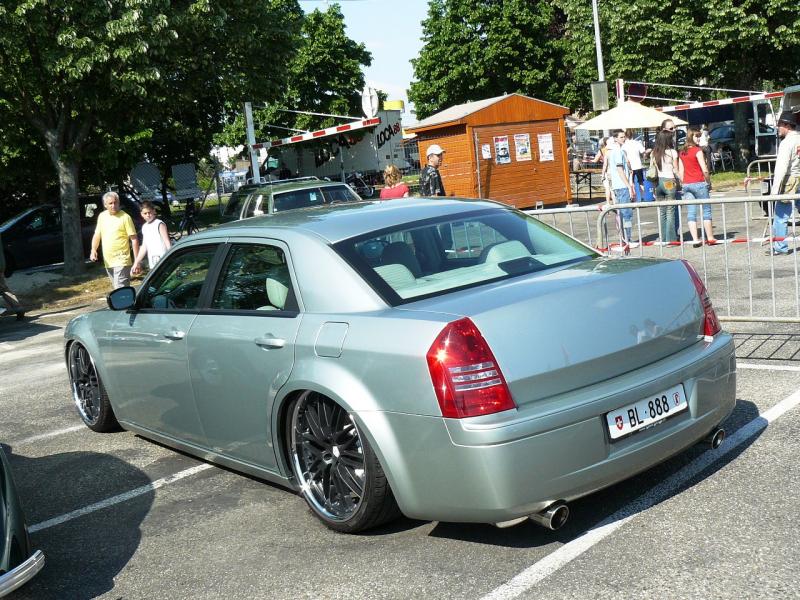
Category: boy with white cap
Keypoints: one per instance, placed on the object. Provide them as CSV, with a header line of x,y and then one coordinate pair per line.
x,y
430,181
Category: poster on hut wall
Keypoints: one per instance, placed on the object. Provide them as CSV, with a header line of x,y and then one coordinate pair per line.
x,y
502,155
546,147
522,145
486,151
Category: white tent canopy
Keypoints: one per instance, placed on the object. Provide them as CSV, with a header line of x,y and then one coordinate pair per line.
x,y
628,115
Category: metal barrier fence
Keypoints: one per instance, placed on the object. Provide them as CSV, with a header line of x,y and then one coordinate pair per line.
x,y
746,281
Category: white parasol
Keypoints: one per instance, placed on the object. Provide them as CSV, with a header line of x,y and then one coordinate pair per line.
x,y
629,115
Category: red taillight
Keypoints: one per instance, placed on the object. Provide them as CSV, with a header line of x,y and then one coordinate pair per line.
x,y
465,374
711,324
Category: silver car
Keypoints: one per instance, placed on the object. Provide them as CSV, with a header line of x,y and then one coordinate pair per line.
x,y
445,359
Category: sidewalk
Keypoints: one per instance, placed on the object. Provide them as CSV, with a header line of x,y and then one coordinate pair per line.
x,y
48,289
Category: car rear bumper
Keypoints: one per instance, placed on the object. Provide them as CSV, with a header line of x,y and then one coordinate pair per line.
x,y
509,465
22,573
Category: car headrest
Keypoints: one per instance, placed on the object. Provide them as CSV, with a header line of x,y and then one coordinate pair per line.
x,y
278,283
506,251
401,253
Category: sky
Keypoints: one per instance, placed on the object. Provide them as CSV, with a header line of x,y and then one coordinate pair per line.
x,y
391,31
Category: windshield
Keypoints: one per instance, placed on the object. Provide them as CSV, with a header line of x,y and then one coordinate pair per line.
x,y
434,257
15,218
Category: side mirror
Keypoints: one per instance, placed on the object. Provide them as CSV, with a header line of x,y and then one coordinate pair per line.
x,y
121,298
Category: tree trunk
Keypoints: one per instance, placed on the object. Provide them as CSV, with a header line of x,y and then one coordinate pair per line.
x,y
741,150
74,259
167,210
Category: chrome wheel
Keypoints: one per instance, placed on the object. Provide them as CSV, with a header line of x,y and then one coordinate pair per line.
x,y
88,392
328,457
85,384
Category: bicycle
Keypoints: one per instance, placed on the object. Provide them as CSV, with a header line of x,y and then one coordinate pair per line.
x,y
187,225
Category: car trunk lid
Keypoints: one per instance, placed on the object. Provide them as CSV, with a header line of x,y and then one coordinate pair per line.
x,y
558,331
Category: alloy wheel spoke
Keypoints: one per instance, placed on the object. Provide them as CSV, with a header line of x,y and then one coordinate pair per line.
x,y
349,479
352,460
313,421
327,418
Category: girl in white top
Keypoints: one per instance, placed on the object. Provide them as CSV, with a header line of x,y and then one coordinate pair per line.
x,y
155,238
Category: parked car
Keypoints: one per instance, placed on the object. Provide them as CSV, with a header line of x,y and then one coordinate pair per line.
x,y
445,359
18,562
35,237
233,206
289,195
722,138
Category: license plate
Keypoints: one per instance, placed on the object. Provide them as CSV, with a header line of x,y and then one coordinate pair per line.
x,y
646,412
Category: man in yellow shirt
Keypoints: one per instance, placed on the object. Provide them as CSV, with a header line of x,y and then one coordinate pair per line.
x,y
116,231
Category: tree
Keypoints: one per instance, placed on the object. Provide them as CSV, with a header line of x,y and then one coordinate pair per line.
x,y
734,44
23,182
80,71
325,76
476,49
480,49
214,70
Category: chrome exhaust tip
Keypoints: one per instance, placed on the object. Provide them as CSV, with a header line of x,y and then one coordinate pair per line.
x,y
715,438
553,517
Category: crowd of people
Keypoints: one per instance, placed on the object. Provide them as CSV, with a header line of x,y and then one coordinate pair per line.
x,y
672,172
684,173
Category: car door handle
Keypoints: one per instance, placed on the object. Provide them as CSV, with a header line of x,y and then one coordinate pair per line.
x,y
175,335
270,342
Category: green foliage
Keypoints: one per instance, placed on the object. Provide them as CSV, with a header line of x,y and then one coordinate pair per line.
x,y
325,76
480,49
229,52
476,49
99,82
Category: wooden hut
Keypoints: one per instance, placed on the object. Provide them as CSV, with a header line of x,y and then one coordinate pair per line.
x,y
510,148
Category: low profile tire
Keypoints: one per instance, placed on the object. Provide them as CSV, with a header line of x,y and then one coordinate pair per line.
x,y
339,474
88,391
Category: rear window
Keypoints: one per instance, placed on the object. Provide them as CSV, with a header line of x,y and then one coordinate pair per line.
x,y
437,256
297,199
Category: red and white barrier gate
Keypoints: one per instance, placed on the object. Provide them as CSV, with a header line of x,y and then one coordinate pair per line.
x,y
312,135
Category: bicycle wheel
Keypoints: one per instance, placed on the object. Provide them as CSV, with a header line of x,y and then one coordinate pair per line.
x,y
174,231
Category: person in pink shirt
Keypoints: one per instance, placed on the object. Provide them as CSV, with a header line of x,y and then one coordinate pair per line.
x,y
394,188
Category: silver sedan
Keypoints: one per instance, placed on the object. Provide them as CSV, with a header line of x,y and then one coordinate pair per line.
x,y
445,359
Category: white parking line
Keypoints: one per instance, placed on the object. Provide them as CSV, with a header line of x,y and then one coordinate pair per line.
x,y
667,488
118,498
766,367
44,436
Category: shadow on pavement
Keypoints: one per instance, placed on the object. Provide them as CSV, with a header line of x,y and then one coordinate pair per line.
x,y
12,330
83,555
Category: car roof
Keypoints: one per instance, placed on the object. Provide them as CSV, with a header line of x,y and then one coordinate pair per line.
x,y
340,221
288,186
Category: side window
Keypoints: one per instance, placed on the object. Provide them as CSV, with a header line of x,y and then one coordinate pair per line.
x,y
37,221
233,205
89,211
177,283
256,206
255,277
338,193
